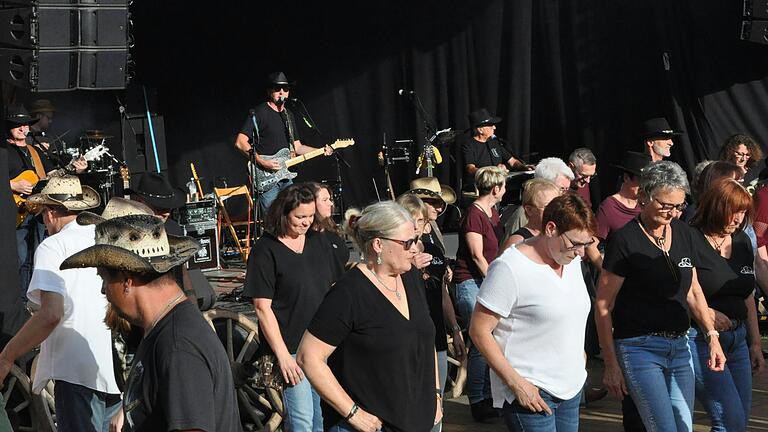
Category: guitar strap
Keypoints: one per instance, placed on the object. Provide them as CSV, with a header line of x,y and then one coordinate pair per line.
x,y
36,162
290,129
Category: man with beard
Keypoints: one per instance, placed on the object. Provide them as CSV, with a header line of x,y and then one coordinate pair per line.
x,y
657,138
270,128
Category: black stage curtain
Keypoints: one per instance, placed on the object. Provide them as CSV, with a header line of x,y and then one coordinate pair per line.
x,y
562,74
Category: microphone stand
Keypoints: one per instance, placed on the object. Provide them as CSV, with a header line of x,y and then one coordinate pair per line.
x,y
258,226
430,130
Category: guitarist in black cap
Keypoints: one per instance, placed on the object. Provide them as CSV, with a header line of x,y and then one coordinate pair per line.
x,y
275,129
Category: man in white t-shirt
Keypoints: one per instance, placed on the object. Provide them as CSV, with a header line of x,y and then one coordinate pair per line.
x,y
76,345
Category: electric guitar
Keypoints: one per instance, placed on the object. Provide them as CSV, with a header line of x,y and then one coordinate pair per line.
x,y
265,180
31,177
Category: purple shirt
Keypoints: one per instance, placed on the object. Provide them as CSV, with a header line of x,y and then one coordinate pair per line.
x,y
612,215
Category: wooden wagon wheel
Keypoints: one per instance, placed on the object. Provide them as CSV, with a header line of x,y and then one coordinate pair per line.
x,y
27,411
259,409
457,372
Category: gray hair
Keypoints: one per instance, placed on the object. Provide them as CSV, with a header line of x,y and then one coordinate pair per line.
x,y
582,156
663,175
551,167
381,219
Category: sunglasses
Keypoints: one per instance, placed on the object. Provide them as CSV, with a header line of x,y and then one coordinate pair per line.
x,y
669,206
283,88
406,244
575,245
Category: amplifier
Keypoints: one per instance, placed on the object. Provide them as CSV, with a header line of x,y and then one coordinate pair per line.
x,y
207,258
197,212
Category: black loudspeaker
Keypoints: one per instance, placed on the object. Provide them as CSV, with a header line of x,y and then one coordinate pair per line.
x,y
207,258
756,9
755,31
138,151
59,45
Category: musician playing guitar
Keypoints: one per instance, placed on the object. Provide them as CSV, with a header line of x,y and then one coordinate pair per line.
x,y
275,130
22,157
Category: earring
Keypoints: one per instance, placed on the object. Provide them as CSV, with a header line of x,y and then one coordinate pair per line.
x,y
378,258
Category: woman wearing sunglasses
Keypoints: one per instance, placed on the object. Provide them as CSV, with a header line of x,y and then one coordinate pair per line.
x,y
647,289
370,349
726,272
530,318
479,236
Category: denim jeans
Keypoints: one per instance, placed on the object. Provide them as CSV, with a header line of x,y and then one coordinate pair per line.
x,y
442,373
659,376
28,236
267,198
302,408
564,418
478,374
81,409
344,426
5,422
726,395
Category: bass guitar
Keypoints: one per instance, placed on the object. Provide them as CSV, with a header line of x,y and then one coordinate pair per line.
x,y
266,180
33,179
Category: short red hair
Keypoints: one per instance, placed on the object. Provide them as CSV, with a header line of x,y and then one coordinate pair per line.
x,y
719,203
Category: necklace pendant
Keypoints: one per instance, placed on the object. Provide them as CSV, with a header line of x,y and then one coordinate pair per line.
x,y
397,294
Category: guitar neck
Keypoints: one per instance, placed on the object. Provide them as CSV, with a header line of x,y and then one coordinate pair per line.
x,y
305,157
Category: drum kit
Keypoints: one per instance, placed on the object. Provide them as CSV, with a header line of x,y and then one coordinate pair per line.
x,y
105,173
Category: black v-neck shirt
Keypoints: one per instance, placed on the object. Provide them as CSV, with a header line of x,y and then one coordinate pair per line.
x,y
385,362
650,300
726,282
296,282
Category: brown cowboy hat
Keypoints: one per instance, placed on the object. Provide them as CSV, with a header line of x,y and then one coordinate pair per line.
x,y
67,192
116,207
41,106
430,188
134,243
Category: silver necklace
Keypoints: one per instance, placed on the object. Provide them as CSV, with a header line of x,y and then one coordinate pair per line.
x,y
164,311
396,290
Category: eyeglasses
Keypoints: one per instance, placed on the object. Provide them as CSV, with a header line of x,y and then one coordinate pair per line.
x,y
742,155
283,88
406,244
580,176
575,245
669,206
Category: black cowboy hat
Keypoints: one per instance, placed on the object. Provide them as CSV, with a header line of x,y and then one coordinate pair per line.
x,y
634,162
155,190
17,115
278,79
482,117
658,128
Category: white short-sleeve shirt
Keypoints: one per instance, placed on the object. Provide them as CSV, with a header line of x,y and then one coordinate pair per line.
x,y
541,330
79,350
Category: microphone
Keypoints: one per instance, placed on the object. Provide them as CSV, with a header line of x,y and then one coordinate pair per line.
x,y
402,92
252,112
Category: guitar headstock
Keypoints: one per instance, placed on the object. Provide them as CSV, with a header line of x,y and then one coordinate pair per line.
x,y
95,153
125,174
342,143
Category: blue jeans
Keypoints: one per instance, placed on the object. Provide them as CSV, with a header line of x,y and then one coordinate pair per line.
x,y
28,236
442,373
659,376
564,418
5,422
726,395
267,198
302,408
81,409
478,373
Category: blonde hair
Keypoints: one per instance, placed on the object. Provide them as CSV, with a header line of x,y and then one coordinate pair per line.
x,y
381,219
534,188
414,205
486,178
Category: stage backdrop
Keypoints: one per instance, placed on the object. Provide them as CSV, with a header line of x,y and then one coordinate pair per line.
x,y
561,74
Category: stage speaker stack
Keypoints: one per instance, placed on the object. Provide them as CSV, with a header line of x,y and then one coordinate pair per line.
x,y
754,25
199,222
55,45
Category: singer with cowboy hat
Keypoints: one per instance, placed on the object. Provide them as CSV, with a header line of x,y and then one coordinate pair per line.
x,y
180,378
270,128
75,344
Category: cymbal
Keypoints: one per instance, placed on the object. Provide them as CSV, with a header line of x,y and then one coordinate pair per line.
x,y
96,134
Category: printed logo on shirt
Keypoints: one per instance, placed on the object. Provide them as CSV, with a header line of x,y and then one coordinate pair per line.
x,y
335,246
747,270
685,263
495,153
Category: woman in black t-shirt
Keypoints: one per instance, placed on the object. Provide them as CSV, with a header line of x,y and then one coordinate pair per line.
x,y
725,265
370,349
324,224
647,288
289,273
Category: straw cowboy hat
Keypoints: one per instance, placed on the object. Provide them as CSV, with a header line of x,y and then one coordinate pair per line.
x,y
134,243
116,207
67,192
430,188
